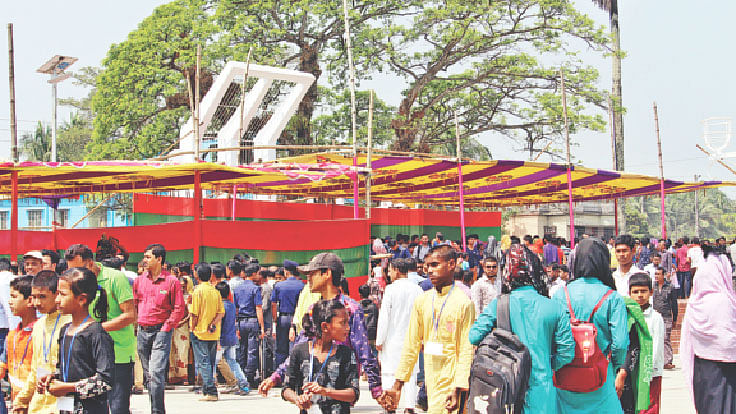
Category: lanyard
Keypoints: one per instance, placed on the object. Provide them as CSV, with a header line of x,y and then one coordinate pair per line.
x,y
43,344
17,364
311,361
436,322
65,363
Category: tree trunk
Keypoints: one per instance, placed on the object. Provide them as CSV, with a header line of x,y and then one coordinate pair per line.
x,y
309,63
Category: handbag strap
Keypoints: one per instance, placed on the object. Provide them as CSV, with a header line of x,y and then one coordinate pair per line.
x,y
598,305
503,318
569,304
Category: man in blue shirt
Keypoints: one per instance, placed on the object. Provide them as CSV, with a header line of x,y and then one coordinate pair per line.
x,y
283,303
550,252
249,305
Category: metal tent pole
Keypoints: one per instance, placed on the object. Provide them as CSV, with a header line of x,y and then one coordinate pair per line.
x,y
661,171
14,216
197,212
461,190
569,165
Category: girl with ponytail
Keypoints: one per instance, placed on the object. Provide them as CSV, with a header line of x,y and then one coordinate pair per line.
x,y
323,373
86,355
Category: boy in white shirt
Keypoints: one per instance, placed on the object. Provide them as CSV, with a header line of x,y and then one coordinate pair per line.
x,y
640,290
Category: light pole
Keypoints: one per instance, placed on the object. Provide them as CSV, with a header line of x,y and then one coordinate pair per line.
x,y
56,67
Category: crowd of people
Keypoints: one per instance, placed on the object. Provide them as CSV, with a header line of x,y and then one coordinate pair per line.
x,y
80,333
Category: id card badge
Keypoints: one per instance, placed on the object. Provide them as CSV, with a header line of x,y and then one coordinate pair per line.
x,y
432,348
314,408
65,403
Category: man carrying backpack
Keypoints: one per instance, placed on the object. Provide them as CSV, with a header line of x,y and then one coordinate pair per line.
x,y
540,323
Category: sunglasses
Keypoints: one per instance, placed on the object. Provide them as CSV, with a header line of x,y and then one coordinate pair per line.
x,y
492,267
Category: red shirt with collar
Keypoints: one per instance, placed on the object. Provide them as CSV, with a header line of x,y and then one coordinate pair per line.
x,y
159,300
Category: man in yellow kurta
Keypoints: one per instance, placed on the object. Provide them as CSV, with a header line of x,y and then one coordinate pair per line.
x,y
45,342
440,322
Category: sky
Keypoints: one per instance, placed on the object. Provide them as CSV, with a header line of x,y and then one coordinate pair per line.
x,y
679,56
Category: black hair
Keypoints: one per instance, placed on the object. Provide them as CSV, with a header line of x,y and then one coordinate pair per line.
x,y
78,250
564,269
515,240
364,291
83,280
157,250
46,279
322,311
658,268
113,262
22,285
640,279
293,269
223,288
265,273
184,267
528,239
411,264
4,264
467,276
52,254
249,269
204,272
62,266
625,239
489,259
218,270
343,285
444,251
234,267
401,265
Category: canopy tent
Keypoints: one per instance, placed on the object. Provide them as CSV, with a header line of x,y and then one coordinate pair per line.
x,y
426,181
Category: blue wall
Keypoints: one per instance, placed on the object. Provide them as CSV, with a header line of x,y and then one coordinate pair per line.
x,y
76,207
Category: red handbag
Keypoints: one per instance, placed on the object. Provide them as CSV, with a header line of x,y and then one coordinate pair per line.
x,y
588,370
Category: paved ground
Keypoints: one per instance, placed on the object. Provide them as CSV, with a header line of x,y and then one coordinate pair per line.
x,y
675,400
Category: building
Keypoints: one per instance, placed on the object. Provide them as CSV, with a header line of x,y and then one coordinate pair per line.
x,y
36,214
594,218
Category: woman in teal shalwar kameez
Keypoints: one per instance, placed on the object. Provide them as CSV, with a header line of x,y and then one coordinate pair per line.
x,y
592,280
541,324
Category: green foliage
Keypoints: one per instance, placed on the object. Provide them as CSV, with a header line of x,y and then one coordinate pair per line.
x,y
36,146
142,97
717,215
335,127
494,63
484,60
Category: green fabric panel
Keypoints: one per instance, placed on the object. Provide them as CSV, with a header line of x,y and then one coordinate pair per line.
x,y
355,259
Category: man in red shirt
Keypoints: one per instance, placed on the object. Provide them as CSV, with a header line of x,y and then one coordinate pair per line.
x,y
683,268
160,305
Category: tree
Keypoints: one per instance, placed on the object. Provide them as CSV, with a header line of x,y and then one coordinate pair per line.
x,y
611,6
36,146
142,95
484,60
305,34
335,127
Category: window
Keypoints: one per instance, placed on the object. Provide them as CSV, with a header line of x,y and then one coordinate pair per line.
x,y
62,217
35,218
4,220
550,231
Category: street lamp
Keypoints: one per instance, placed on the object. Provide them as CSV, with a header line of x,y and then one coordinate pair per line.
x,y
56,67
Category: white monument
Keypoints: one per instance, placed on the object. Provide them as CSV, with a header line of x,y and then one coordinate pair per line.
x,y
231,132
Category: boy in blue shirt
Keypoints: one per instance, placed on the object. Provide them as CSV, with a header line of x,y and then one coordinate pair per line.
x,y
229,341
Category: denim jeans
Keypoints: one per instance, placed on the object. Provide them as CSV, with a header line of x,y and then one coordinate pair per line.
x,y
118,398
153,349
283,345
248,350
205,353
228,353
684,279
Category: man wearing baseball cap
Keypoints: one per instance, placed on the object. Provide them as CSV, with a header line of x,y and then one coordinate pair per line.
x,y
324,273
33,262
283,304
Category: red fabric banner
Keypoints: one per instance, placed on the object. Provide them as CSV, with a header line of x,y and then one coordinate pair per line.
x,y
179,206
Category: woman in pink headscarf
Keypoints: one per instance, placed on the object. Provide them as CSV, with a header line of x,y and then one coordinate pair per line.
x,y
708,346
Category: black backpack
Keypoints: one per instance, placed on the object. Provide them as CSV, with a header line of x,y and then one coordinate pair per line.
x,y
499,376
